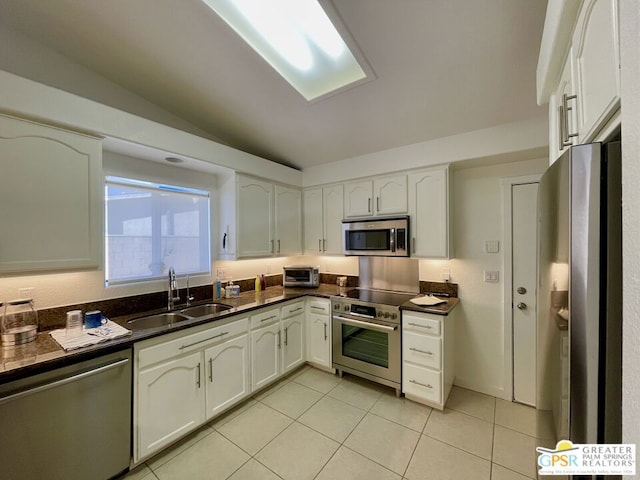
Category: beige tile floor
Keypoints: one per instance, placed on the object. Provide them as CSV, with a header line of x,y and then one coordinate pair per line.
x,y
314,425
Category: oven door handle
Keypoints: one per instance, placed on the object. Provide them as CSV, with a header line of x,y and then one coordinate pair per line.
x,y
371,326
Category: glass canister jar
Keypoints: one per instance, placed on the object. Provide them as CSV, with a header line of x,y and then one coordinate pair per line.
x,y
19,324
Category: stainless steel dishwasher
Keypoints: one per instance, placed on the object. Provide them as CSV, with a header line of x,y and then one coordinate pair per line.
x,y
70,423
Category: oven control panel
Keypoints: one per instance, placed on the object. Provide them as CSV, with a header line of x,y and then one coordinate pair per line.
x,y
366,310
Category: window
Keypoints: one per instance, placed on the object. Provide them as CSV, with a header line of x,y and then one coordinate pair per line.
x,y
151,227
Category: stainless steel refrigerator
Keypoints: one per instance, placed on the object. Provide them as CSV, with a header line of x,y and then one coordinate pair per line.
x,y
579,371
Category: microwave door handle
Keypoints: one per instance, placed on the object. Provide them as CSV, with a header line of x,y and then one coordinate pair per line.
x,y
392,240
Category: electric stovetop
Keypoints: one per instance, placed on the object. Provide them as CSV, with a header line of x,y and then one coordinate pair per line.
x,y
381,297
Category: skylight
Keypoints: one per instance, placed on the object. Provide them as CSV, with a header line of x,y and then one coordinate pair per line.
x,y
297,38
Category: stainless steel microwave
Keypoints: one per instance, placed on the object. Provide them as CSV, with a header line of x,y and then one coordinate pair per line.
x,y
385,237
300,276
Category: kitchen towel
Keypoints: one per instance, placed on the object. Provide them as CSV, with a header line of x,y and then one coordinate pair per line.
x,y
89,336
427,301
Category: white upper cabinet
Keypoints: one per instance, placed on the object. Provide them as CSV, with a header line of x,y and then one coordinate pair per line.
x,y
288,225
429,213
269,219
390,195
51,193
323,214
358,199
380,196
585,88
255,221
597,65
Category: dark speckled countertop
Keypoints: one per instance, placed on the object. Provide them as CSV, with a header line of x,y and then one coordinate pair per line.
x,y
45,354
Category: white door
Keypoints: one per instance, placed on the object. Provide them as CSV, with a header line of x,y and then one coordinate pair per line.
x,y
524,201
428,209
333,208
313,234
227,374
292,342
288,231
390,195
358,199
255,210
265,355
319,339
170,403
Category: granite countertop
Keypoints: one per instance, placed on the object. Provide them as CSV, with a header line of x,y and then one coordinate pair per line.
x,y
442,309
45,354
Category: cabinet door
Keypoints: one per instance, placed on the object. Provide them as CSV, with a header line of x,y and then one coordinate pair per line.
x,y
358,199
227,374
313,234
170,403
597,65
319,339
561,123
51,193
428,208
293,342
288,216
265,355
254,217
333,207
390,195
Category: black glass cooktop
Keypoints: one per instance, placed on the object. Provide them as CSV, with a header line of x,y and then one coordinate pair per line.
x,y
394,299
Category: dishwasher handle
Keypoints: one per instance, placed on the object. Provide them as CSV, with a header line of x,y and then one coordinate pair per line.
x,y
64,381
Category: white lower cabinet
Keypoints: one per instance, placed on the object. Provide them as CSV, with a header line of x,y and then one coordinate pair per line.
x,y
227,380
265,355
319,332
293,342
170,402
183,379
427,357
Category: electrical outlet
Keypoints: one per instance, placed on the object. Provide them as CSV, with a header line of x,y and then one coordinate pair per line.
x,y
26,292
492,246
221,273
446,275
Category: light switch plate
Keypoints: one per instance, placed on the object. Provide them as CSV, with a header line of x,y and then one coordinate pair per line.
x,y
492,276
492,246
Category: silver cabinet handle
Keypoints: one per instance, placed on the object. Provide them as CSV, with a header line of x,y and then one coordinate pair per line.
x,y
271,245
198,376
64,381
325,332
560,127
211,370
428,327
279,338
313,307
414,244
378,204
566,108
324,244
205,340
319,245
286,336
268,318
369,205
278,245
296,310
420,351
369,326
428,385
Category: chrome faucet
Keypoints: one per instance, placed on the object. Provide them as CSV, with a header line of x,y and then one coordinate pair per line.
x,y
189,297
172,293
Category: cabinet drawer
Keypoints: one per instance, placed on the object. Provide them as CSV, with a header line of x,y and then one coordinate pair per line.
x,y
421,383
319,307
423,324
190,342
422,350
293,309
265,318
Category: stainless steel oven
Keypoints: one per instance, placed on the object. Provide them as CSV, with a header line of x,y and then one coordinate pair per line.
x,y
366,336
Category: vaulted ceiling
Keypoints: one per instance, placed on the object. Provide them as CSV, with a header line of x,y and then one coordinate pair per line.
x,y
442,67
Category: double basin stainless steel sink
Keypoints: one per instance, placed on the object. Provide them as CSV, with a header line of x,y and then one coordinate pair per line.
x,y
169,318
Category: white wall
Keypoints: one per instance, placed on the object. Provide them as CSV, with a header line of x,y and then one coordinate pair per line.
x,y
522,140
476,216
630,89
66,288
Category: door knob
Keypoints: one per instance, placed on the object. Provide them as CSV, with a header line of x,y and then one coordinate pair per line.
x,y
522,290
522,306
